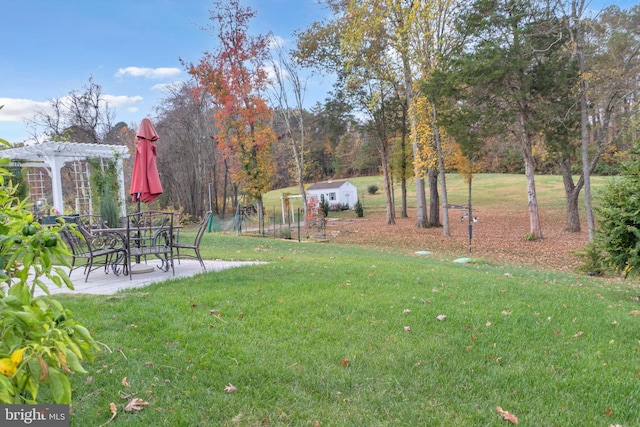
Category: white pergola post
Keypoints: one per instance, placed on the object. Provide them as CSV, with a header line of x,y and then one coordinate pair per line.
x,y
55,165
123,200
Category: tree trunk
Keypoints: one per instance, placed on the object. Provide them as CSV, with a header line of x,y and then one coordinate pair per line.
x,y
391,215
421,205
434,198
299,175
260,209
572,192
441,169
403,186
404,166
532,199
584,135
422,220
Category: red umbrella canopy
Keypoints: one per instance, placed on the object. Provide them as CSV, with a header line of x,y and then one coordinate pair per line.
x,y
145,181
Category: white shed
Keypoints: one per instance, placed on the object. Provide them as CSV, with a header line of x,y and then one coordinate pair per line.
x,y
337,193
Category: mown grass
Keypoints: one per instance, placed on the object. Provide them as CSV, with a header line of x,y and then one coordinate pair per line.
x,y
489,191
318,337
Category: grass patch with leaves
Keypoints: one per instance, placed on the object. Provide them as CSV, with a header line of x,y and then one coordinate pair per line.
x,y
336,335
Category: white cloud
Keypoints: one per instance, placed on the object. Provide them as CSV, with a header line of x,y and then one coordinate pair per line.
x,y
276,42
148,73
121,100
19,110
167,87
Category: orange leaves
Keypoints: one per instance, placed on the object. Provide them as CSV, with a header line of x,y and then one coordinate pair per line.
x,y
506,415
135,404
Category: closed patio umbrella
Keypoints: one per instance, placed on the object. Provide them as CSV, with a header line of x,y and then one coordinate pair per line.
x,y
145,181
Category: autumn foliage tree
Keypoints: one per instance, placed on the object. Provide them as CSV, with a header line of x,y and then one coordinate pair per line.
x,y
234,74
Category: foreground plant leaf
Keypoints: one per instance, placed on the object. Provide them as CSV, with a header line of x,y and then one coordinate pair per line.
x,y
506,415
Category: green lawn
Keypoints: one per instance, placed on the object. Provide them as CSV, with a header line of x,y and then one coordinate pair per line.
x,y
334,335
504,191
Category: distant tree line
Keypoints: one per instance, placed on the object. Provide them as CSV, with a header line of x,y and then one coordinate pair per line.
x,y
422,89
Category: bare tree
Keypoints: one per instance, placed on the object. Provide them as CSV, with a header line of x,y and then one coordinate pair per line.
x,y
287,81
187,155
82,115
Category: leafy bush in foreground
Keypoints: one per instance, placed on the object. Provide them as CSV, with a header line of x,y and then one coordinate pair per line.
x,y
40,343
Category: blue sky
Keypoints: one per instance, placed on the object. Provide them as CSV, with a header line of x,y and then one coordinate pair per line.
x,y
132,48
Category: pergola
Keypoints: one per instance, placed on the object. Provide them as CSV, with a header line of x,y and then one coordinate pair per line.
x,y
52,156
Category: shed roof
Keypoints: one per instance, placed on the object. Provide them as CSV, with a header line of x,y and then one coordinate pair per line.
x,y
329,185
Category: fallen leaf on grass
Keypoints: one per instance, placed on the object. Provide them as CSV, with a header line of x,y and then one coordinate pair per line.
x,y
506,415
406,311
634,313
230,388
125,383
578,334
114,412
407,328
441,317
136,404
345,363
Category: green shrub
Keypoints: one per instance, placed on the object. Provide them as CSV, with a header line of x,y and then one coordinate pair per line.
x,y
593,260
40,342
359,209
619,218
324,205
372,189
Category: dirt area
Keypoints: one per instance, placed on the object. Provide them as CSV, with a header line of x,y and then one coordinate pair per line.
x,y
498,237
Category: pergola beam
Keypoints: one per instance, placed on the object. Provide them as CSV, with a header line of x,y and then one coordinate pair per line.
x,y
53,155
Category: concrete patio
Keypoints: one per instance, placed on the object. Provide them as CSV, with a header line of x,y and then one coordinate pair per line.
x,y
100,283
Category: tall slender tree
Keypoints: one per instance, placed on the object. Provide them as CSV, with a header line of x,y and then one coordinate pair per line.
x,y
508,41
235,75
288,82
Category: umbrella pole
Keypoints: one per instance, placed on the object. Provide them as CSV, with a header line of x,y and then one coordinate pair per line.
x,y
139,268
